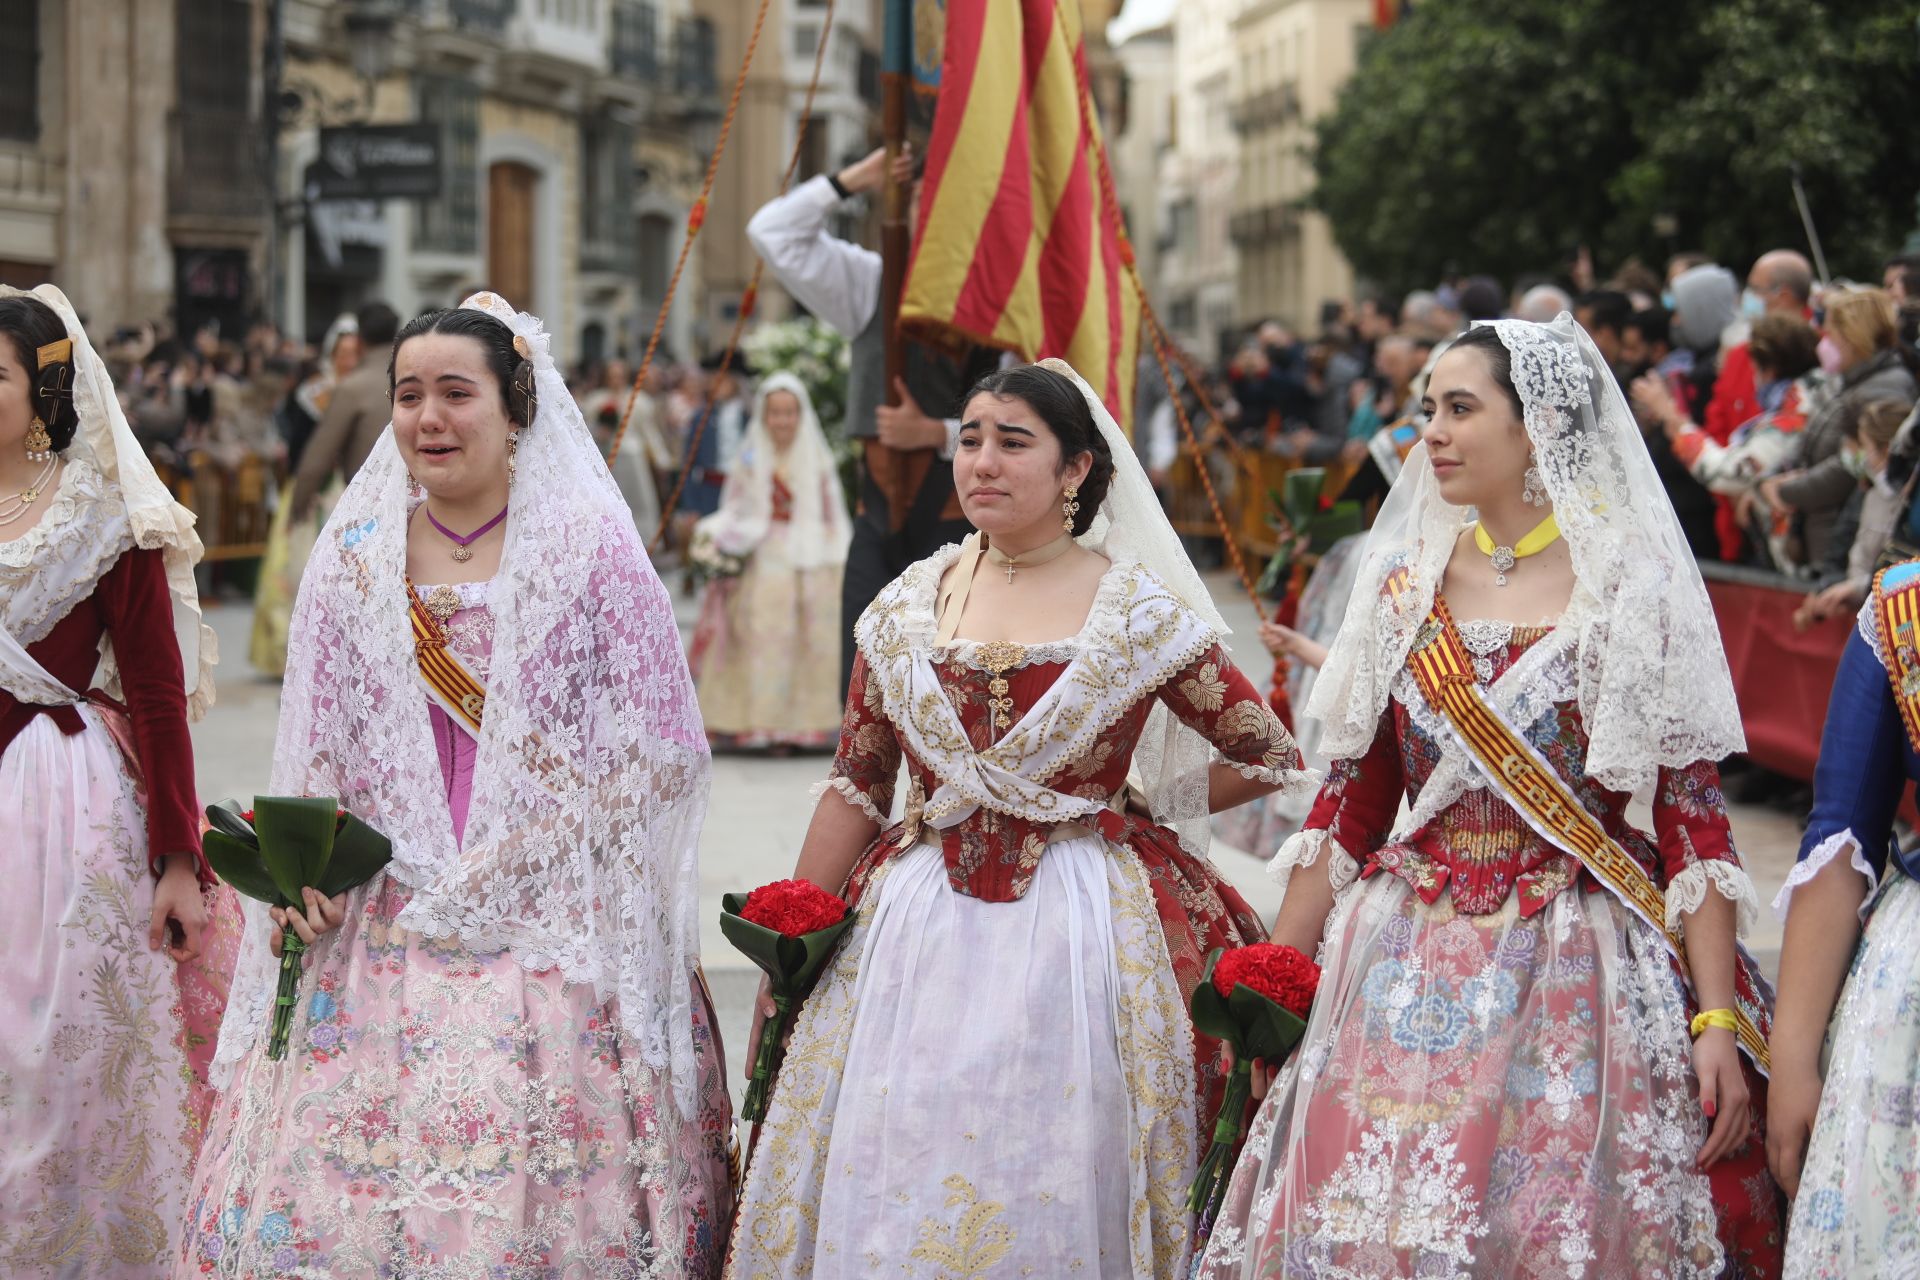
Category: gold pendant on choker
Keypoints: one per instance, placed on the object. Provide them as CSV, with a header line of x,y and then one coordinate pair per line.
x,y
462,554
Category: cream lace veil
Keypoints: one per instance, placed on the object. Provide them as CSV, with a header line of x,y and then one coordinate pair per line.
x,y
591,775
1652,680
1172,761
157,521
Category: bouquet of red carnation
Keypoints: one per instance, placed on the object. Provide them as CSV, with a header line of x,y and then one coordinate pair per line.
x,y
788,928
281,845
1256,999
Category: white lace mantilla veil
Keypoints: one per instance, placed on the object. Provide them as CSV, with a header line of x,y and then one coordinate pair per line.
x,y
818,531
1172,762
591,776
1651,675
156,520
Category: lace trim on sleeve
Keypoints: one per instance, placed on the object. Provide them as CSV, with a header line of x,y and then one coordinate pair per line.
x,y
1823,853
853,795
1688,891
1292,783
1868,625
1303,849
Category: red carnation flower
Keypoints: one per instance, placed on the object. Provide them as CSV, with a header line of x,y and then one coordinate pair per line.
x,y
1282,974
793,907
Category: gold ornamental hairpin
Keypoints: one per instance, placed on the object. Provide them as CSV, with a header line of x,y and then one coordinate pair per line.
x,y
520,345
55,352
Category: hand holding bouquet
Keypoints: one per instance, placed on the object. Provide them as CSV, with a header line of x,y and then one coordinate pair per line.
x,y
788,928
1254,998
295,854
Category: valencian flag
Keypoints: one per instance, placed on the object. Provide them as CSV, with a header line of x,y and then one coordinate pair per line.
x,y
1019,245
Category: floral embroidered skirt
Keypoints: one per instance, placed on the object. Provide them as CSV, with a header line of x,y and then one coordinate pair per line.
x,y
983,1089
447,1113
1858,1211
100,1107
1479,1096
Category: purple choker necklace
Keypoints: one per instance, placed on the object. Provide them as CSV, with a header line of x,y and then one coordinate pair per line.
x,y
462,543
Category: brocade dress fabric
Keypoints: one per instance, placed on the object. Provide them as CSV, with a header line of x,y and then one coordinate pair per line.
x,y
1496,1078
996,1076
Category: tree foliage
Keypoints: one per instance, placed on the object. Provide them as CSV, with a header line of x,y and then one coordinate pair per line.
x,y
1496,135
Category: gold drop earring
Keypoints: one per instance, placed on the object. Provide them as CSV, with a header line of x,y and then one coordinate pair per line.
x,y
39,443
1069,507
513,449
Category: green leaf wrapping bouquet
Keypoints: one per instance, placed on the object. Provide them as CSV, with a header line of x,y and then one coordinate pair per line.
x,y
280,846
1255,999
789,928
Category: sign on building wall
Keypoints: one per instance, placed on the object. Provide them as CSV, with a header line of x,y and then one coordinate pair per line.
x,y
378,162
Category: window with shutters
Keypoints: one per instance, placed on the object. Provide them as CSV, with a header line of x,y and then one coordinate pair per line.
x,y
451,222
606,196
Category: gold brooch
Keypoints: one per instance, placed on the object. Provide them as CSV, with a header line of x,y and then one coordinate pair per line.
x,y
443,602
998,657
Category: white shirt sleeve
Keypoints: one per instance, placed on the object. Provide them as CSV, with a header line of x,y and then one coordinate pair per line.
x,y
834,279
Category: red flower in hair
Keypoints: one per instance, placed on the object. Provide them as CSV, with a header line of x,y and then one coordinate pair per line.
x,y
1283,975
793,907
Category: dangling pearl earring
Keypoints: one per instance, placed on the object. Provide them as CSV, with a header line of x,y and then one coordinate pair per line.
x,y
1069,507
39,443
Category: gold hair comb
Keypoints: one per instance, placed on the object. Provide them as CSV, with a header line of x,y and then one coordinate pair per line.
x,y
520,345
55,352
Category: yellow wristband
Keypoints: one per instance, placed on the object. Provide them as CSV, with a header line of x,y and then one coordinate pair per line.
x,y
1721,1018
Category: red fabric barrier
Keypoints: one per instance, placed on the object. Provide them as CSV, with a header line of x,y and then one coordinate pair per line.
x,y
1781,676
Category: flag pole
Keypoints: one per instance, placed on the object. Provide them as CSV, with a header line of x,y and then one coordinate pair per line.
x,y
896,71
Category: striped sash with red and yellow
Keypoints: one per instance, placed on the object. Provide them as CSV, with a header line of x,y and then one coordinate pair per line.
x,y
1443,669
447,679
1896,616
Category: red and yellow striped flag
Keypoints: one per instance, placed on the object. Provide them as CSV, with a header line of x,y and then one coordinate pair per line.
x,y
1019,244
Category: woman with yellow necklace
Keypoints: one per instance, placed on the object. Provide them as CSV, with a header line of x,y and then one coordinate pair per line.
x,y
1510,1069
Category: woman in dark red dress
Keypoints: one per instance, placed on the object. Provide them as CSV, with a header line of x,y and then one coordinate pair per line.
x,y
106,904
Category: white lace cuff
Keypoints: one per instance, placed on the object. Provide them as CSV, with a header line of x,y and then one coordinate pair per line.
x,y
1689,890
1823,853
1291,782
851,793
1303,849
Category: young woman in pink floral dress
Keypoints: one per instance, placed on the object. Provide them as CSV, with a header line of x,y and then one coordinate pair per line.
x,y
503,1062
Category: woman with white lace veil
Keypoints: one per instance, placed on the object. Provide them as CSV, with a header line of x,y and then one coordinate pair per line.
x,y
766,651
112,974
1498,1076
998,1069
503,1060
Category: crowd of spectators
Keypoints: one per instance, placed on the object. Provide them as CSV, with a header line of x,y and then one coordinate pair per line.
x,y
1779,412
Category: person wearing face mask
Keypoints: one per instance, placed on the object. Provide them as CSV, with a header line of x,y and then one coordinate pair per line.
x,y
1859,355
1780,283
766,650
1782,353
1884,511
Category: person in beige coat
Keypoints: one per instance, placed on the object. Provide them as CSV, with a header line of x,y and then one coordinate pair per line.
x,y
359,411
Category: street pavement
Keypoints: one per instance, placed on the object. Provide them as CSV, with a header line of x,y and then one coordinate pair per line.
x,y
760,806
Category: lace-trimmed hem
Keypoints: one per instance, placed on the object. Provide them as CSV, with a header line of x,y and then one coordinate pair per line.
x,y
852,794
1823,853
1688,891
1303,849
